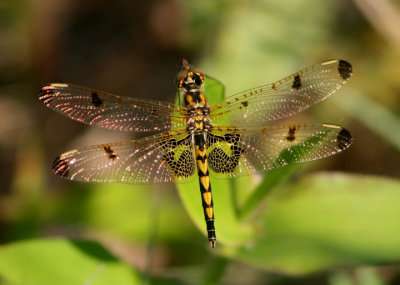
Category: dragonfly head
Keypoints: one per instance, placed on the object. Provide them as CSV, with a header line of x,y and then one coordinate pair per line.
x,y
189,78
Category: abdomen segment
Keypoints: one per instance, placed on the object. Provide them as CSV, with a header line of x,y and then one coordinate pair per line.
x,y
205,186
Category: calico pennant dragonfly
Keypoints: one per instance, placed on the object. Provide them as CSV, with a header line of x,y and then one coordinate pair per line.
x,y
194,138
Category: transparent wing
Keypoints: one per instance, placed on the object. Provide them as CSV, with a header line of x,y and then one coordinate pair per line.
x,y
160,158
236,152
110,111
285,97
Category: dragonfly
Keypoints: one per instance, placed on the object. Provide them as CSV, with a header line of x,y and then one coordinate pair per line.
x,y
242,135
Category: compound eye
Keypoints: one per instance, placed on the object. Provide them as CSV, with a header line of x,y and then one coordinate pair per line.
x,y
198,80
180,77
198,76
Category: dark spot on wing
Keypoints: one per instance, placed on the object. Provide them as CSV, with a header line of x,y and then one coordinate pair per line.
x,y
96,101
184,166
110,153
344,139
221,162
61,167
245,103
345,69
297,82
291,134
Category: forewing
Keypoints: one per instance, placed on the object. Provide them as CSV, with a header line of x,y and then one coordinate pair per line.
x,y
110,111
236,152
161,158
285,97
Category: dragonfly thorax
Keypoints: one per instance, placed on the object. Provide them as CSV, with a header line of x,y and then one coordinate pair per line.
x,y
194,99
198,120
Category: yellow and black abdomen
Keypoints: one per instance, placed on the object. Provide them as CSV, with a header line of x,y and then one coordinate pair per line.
x,y
198,126
205,186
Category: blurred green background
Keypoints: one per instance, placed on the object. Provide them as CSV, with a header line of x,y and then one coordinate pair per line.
x,y
334,221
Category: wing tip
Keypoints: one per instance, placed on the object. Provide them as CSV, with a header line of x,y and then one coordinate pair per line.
x,y
61,167
345,69
344,139
48,92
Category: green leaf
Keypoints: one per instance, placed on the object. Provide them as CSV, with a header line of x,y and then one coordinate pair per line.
x,y
58,261
61,261
327,220
215,91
